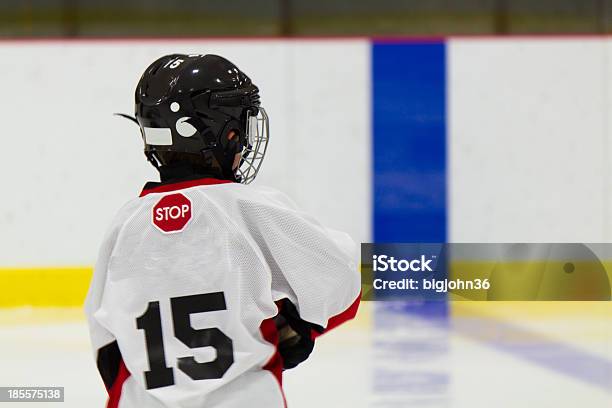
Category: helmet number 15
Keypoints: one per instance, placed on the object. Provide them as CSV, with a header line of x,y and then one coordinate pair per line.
x,y
173,63
160,375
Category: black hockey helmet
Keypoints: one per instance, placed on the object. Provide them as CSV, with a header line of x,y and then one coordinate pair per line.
x,y
190,103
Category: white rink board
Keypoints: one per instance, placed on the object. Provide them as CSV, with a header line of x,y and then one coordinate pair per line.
x,y
529,139
528,136
69,164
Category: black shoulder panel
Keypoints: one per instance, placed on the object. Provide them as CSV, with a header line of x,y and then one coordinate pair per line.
x,y
109,358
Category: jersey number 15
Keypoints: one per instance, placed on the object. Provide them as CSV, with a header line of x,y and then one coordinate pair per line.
x,y
159,375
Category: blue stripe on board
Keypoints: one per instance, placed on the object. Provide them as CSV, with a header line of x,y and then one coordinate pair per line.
x,y
409,205
409,141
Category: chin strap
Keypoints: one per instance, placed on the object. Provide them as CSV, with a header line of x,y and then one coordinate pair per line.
x,y
126,116
221,152
153,159
151,156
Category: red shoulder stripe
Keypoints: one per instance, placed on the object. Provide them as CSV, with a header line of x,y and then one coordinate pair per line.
x,y
338,319
275,364
114,394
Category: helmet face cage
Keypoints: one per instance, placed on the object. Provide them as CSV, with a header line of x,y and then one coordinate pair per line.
x,y
253,153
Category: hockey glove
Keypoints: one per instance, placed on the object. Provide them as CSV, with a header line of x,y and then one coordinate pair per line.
x,y
295,342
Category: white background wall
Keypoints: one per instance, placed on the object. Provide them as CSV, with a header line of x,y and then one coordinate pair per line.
x,y
68,164
529,133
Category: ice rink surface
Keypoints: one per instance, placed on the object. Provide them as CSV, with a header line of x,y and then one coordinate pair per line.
x,y
544,354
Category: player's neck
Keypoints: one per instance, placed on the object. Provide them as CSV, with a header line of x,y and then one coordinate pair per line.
x,y
184,171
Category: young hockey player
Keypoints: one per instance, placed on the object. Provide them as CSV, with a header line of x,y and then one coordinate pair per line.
x,y
207,288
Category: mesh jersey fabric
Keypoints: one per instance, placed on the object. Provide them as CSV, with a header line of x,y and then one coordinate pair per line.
x,y
248,243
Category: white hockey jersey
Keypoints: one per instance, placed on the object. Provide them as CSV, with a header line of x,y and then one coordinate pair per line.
x,y
181,303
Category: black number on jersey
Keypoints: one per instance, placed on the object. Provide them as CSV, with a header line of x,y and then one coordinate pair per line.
x,y
159,375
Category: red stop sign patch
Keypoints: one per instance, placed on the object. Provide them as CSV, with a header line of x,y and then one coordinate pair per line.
x,y
172,213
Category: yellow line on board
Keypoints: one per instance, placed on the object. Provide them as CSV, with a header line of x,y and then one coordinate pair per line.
x,y
67,286
44,287
44,295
